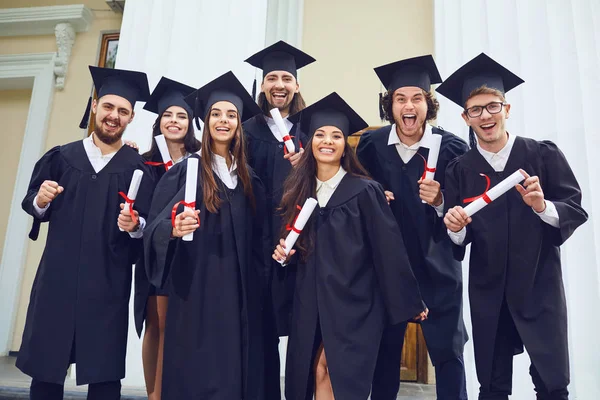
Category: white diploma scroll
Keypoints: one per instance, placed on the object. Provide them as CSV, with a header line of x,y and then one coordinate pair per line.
x,y
284,135
191,181
434,143
161,143
134,186
299,223
495,192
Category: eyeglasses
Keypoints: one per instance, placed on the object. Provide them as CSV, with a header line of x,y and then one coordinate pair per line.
x,y
493,108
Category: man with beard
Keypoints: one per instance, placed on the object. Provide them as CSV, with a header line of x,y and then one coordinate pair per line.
x,y
272,163
395,157
78,310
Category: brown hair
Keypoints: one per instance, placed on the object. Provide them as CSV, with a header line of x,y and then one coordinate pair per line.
x,y
210,188
485,90
387,100
296,105
301,184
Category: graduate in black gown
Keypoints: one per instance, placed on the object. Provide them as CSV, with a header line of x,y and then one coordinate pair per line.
x,y
515,281
272,162
395,157
213,339
174,122
354,277
79,305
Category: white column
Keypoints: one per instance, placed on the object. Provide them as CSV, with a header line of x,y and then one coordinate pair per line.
x,y
194,41
555,47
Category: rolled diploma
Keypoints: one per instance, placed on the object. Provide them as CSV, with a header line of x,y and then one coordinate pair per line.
x,y
282,130
495,192
161,143
305,213
434,143
191,180
134,186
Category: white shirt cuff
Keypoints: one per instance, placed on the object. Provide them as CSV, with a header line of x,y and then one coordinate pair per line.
x,y
140,232
549,215
440,209
39,212
458,238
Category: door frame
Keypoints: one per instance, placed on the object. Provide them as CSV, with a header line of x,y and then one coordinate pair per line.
x,y
22,71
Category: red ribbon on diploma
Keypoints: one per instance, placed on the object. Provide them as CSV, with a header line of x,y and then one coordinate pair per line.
x,y
427,169
130,202
191,204
289,137
292,227
167,165
484,195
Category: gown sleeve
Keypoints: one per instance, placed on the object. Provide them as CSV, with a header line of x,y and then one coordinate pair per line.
x,y
396,279
45,169
561,188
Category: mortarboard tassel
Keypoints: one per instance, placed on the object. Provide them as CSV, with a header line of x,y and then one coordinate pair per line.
x,y
472,140
254,90
86,116
197,111
381,110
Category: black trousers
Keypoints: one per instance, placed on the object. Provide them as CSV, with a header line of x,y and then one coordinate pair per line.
x,y
271,353
500,386
449,375
53,391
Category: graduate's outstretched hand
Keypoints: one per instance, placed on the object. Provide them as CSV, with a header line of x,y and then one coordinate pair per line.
x,y
389,196
456,218
279,253
185,222
125,221
532,193
48,192
422,316
294,158
430,192
131,144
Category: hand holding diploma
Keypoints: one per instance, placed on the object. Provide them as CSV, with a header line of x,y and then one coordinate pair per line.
x,y
128,217
532,192
281,254
48,192
188,221
430,192
285,248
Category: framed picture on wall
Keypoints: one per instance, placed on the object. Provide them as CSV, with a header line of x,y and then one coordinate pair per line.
x,y
109,46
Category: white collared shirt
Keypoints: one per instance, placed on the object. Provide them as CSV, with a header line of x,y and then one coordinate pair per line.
x,y
226,174
273,126
326,189
498,162
406,153
98,161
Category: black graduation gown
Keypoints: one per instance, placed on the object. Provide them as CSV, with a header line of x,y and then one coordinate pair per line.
x,y
141,284
424,233
80,296
265,156
213,342
516,256
355,281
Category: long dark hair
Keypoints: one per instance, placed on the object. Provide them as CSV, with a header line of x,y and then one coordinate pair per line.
x,y
210,188
296,105
301,184
190,142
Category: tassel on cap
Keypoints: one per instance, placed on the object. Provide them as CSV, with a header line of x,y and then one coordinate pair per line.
x,y
381,110
86,116
196,111
472,140
254,90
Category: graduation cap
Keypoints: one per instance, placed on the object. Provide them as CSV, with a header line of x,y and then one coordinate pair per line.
x,y
480,71
331,110
279,57
169,93
417,71
224,88
131,85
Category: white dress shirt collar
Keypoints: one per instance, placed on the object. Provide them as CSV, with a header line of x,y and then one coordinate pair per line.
x,y
406,152
227,174
325,189
498,160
